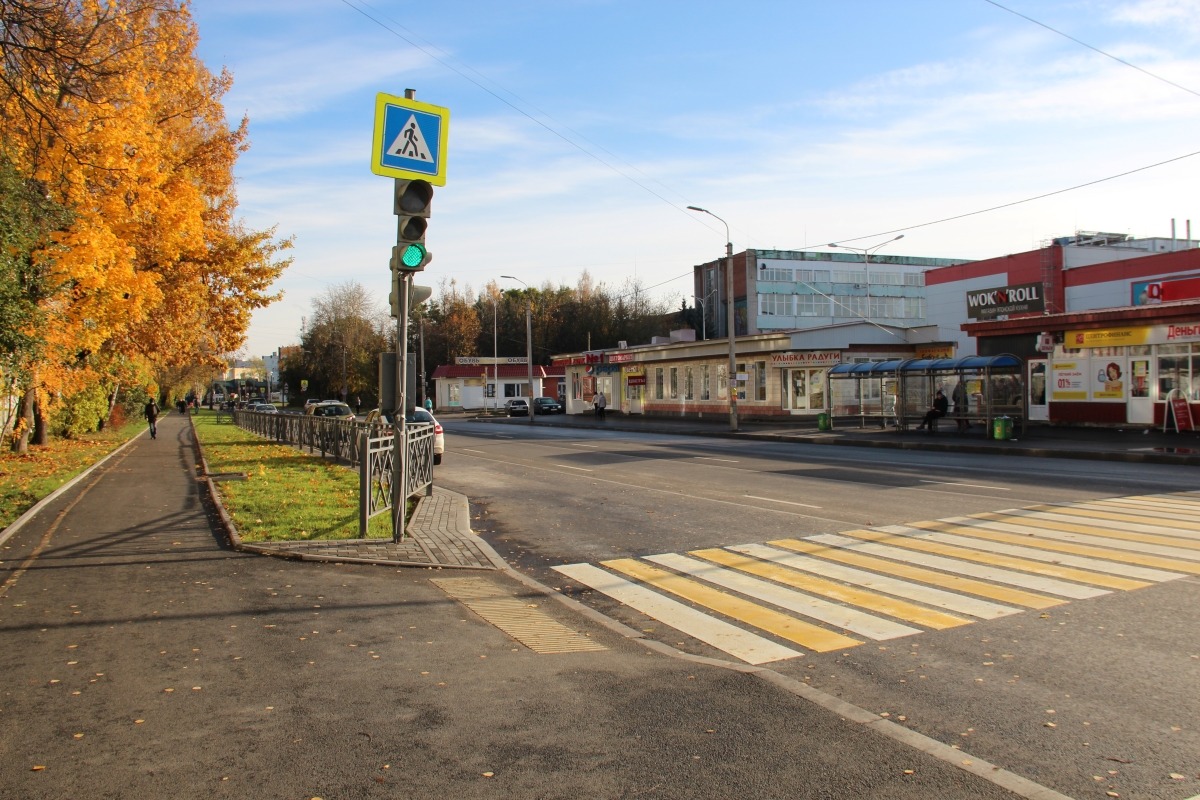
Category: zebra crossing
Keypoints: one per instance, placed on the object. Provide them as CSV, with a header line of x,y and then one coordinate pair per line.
x,y
775,600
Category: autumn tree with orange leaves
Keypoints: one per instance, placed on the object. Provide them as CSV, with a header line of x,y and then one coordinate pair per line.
x,y
131,262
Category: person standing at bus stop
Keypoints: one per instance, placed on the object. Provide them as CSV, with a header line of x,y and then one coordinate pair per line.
x,y
152,417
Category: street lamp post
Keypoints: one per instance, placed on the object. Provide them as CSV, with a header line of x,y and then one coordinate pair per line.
x,y
528,342
729,321
866,251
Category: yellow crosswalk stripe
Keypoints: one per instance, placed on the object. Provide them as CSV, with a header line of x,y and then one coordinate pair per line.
x,y
1152,543
957,583
1081,510
1012,562
1122,556
781,625
1151,507
910,612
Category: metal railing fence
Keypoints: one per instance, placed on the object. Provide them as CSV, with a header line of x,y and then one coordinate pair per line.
x,y
370,448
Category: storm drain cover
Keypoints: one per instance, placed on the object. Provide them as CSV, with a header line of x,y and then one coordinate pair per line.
x,y
518,618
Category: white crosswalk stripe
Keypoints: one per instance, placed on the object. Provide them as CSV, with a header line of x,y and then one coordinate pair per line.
x,y
758,602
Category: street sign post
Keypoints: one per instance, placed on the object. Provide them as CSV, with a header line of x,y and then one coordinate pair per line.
x,y
410,139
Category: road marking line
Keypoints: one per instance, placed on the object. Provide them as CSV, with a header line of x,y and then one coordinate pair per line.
x,y
568,466
712,458
815,546
773,622
785,502
969,485
928,542
949,601
873,601
739,643
985,572
813,607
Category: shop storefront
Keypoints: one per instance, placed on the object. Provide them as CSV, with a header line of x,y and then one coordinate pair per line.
x,y
1116,366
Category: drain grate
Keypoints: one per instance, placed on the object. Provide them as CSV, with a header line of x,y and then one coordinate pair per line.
x,y
530,626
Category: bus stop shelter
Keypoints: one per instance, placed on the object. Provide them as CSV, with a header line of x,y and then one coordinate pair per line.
x,y
900,392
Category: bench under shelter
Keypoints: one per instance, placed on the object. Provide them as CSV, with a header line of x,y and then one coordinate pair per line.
x,y
898,392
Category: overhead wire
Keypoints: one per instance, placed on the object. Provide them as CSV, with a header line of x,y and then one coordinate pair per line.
x,y
404,34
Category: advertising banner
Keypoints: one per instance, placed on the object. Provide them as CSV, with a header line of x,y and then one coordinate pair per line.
x,y
991,303
1069,381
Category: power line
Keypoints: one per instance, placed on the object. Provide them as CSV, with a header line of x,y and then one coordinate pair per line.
x,y
1093,48
1027,199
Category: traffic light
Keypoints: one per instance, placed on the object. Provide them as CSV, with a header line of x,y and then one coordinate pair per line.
x,y
412,202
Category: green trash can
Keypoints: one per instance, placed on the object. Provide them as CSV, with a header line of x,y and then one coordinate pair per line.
x,y
1002,428
823,422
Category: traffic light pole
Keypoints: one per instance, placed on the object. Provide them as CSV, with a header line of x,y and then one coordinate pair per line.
x,y
400,442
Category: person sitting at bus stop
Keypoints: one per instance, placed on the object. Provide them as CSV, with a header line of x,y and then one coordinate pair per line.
x,y
940,406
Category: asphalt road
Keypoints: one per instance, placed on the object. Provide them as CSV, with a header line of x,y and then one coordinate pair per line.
x,y
141,658
1087,695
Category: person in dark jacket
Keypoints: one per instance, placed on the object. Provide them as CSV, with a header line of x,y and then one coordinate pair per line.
x,y
152,417
940,406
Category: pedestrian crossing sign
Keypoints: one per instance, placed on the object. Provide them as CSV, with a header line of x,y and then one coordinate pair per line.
x,y
410,139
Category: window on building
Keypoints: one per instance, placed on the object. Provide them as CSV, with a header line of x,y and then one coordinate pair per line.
x,y
658,383
1175,370
775,274
760,380
722,381
705,383
689,392
674,383
812,305
813,275
914,279
775,304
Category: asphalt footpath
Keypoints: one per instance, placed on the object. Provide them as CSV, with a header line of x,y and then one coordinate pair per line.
x,y
144,655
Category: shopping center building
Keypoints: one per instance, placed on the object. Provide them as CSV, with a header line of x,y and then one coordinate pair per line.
x,y
1105,327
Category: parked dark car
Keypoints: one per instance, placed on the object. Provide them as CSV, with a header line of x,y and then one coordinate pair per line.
x,y
546,405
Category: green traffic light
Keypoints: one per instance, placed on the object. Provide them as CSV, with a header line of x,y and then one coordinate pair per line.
x,y
413,255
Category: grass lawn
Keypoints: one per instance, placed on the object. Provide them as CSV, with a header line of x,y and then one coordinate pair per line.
x,y
26,479
287,495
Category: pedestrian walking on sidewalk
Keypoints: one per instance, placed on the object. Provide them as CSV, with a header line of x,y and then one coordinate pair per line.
x,y
601,402
152,417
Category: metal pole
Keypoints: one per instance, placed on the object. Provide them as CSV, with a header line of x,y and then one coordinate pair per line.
x,y
528,342
400,440
495,362
529,354
729,319
733,408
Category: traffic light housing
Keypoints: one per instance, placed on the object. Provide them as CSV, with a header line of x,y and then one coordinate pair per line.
x,y
411,203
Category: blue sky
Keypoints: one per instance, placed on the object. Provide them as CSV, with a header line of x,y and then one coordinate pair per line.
x,y
582,129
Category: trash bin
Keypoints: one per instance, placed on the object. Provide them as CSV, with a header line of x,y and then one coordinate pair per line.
x,y
823,422
1002,428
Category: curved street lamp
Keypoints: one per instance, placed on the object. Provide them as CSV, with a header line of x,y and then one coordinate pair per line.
x,y
866,251
729,321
